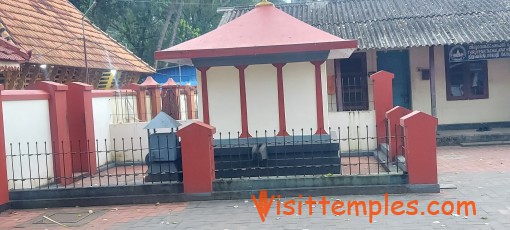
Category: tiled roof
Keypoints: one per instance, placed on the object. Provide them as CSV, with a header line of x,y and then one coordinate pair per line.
x,y
385,24
11,52
247,35
52,30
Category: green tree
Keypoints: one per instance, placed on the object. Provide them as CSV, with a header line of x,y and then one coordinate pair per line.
x,y
146,26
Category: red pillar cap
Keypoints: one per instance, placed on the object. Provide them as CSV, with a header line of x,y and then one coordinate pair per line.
x,y
169,83
48,84
81,85
194,126
381,75
398,109
419,117
150,82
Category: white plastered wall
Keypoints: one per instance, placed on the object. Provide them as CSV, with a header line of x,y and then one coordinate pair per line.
x,y
102,116
224,100
300,101
420,89
355,130
461,111
128,142
27,128
262,99
123,109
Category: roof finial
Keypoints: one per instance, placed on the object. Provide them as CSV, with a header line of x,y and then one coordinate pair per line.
x,y
264,3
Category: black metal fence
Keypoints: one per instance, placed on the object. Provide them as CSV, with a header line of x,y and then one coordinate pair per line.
x,y
100,163
343,151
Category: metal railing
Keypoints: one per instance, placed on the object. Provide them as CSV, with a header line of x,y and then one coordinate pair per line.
x,y
343,151
100,163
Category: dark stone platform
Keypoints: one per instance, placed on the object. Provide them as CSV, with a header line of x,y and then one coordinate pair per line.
x,y
291,155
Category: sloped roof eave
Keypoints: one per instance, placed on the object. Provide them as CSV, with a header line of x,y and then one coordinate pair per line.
x,y
403,23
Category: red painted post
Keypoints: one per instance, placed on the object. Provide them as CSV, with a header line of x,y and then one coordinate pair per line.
x,y
81,127
319,104
189,106
394,130
59,129
153,87
205,95
192,95
197,157
383,101
244,107
171,101
140,100
282,124
420,147
4,184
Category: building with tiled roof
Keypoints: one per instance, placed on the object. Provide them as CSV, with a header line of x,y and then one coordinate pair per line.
x,y
52,30
11,56
451,58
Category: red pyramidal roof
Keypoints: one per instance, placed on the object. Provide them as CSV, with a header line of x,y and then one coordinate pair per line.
x,y
263,30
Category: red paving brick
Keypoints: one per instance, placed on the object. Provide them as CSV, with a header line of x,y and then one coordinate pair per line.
x,y
113,215
121,175
474,159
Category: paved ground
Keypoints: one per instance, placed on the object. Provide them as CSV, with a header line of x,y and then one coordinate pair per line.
x,y
482,174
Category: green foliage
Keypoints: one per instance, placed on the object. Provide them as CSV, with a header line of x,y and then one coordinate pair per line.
x,y
137,24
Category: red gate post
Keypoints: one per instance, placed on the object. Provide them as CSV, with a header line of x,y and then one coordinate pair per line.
x,y
171,101
59,130
189,106
420,147
197,157
394,131
4,183
383,101
153,87
140,100
192,95
81,127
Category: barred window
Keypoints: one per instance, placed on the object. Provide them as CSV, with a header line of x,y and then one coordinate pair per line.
x,y
352,83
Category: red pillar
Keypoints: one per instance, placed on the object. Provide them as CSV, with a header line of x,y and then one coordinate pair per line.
x,y
205,97
59,129
244,109
281,100
81,127
395,131
171,100
153,87
383,101
189,106
192,95
420,147
197,157
140,100
318,97
4,184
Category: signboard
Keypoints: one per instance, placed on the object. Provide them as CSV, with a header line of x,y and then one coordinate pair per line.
x,y
473,52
